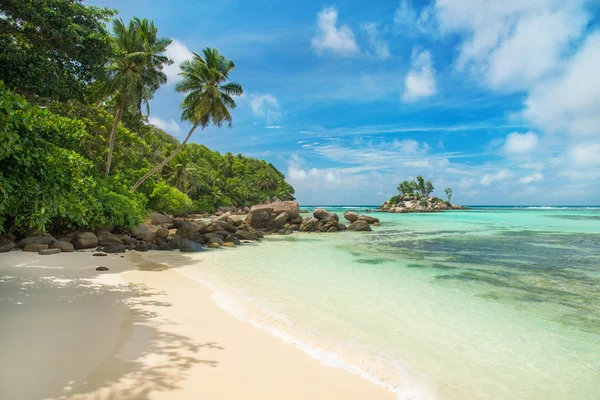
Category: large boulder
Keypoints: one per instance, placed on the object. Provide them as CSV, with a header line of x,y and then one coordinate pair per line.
x,y
40,238
259,217
311,225
143,247
35,247
161,219
291,208
65,247
369,219
245,235
84,240
360,225
277,222
187,246
106,238
6,245
325,216
225,226
351,216
175,242
145,232
161,233
223,217
114,248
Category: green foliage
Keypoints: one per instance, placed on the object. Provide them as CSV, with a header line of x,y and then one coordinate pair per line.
x,y
168,199
428,189
448,192
117,210
53,48
417,187
423,203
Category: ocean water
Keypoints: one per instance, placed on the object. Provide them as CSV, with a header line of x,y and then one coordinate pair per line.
x,y
490,303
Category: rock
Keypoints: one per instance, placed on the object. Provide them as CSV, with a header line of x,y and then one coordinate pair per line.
x,y
369,219
295,221
161,219
129,241
46,252
310,225
376,224
235,220
259,217
245,235
145,232
277,222
6,245
162,232
256,233
223,217
213,245
351,216
39,238
65,247
115,248
143,247
325,216
226,226
99,254
35,247
188,230
228,244
332,229
210,238
291,208
175,242
187,246
106,238
164,247
360,225
101,269
84,240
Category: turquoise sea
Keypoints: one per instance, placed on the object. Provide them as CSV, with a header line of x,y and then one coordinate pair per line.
x,y
489,303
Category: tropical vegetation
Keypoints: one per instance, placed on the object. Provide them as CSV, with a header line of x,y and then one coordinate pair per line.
x,y
73,123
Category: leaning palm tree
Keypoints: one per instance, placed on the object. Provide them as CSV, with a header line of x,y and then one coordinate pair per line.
x,y
136,71
209,96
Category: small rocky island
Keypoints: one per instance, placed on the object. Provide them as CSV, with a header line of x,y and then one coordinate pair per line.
x,y
414,196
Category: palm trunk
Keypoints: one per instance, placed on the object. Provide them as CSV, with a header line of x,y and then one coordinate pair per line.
x,y
165,162
113,131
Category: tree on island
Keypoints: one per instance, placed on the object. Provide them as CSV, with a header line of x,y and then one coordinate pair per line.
x,y
420,187
209,96
448,192
135,73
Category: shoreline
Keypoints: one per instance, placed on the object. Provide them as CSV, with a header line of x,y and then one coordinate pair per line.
x,y
160,335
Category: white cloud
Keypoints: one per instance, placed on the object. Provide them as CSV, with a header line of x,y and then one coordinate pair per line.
x,y
569,103
512,43
499,176
274,127
267,106
408,21
420,80
177,52
170,126
379,47
329,37
521,142
585,155
536,176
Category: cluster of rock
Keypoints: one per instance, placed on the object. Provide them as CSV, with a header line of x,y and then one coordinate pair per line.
x,y
408,204
226,229
284,218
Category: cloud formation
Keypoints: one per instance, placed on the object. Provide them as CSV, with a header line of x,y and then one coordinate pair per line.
x,y
378,46
267,106
520,143
330,38
170,126
498,176
178,52
420,81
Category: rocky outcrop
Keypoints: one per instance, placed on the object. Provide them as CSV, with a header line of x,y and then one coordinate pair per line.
x,y
188,246
65,247
145,232
353,217
258,218
6,245
161,220
359,225
35,247
235,220
325,216
84,240
276,223
39,238
268,216
106,238
408,204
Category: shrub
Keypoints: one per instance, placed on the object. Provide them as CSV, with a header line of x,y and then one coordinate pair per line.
x,y
117,210
165,198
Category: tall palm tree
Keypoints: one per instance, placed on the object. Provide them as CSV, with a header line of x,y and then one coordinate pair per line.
x,y
136,71
209,96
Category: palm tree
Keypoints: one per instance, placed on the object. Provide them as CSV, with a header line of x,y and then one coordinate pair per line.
x,y
136,71
209,96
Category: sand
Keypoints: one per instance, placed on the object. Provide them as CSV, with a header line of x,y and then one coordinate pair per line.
x,y
141,331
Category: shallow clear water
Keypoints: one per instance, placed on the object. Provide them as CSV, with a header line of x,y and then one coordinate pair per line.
x,y
479,304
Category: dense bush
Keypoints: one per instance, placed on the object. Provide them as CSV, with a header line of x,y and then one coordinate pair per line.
x,y
168,199
117,211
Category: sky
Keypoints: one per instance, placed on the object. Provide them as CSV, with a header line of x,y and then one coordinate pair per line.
x,y
499,100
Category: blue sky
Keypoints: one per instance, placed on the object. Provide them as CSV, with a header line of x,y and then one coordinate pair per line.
x,y
499,100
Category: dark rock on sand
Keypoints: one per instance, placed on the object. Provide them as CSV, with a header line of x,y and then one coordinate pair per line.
x,y
99,254
39,238
84,240
65,247
115,248
6,245
245,235
101,269
187,246
35,247
143,247
106,238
